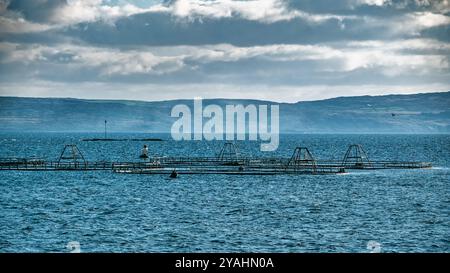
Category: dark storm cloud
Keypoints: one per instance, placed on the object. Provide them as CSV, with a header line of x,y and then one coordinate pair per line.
x,y
37,11
164,29
441,33
369,8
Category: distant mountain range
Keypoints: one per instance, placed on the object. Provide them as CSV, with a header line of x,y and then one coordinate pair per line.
x,y
418,113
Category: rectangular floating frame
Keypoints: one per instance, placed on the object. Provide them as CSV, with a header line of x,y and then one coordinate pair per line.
x,y
227,162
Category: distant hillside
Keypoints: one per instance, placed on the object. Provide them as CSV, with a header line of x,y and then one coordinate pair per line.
x,y
419,113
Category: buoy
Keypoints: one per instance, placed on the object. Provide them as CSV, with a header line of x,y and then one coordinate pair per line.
x,y
173,174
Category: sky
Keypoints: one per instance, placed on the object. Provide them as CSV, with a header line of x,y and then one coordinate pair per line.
x,y
279,50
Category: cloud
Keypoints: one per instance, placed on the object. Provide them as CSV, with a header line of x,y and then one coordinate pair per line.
x,y
436,6
373,2
272,45
35,11
107,61
268,11
418,56
414,23
59,13
20,16
157,23
78,11
14,22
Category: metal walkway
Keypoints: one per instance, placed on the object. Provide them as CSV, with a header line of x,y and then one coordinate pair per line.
x,y
227,162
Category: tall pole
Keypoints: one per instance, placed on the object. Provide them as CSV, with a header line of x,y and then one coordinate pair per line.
x,y
105,128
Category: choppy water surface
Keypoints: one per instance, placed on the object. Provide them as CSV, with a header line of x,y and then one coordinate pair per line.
x,y
403,210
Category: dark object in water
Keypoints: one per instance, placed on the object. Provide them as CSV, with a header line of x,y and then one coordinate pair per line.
x,y
122,139
173,174
143,156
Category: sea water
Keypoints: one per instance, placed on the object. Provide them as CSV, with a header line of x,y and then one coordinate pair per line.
x,y
101,211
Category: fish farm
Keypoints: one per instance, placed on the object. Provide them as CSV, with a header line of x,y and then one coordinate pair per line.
x,y
227,161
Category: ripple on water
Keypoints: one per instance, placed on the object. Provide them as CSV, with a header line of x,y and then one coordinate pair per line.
x,y
404,211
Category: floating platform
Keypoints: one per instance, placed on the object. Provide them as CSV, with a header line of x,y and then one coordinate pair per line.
x,y
357,158
122,139
378,165
228,161
55,166
230,171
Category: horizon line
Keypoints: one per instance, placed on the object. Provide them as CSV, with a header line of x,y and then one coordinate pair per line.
x,y
222,98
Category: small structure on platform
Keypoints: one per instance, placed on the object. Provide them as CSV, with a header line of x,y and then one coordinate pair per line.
x,y
144,152
356,157
302,160
71,158
229,154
